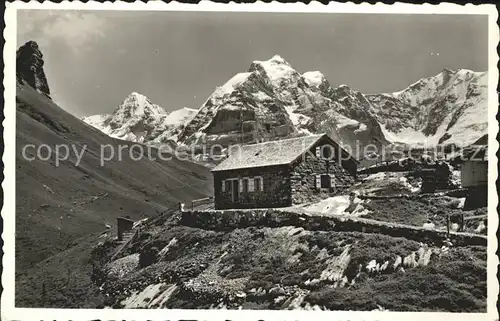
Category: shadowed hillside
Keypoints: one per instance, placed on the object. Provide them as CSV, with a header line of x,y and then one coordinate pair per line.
x,y
57,204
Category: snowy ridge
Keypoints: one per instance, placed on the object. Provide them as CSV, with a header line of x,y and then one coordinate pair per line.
x,y
96,120
276,68
271,100
448,108
314,78
180,116
230,85
137,119
174,123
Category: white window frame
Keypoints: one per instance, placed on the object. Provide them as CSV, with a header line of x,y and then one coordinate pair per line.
x,y
317,181
251,184
231,179
241,184
251,187
318,152
261,183
332,180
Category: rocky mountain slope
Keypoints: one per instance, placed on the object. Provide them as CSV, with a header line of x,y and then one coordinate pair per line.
x,y
271,100
347,110
137,119
450,107
57,204
268,259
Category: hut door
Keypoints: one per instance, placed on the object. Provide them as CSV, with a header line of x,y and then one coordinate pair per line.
x,y
235,190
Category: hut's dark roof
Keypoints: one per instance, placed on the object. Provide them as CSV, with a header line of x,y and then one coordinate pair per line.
x,y
278,152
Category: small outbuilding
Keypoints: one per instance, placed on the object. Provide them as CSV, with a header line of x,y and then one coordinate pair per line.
x,y
124,225
282,173
474,171
474,177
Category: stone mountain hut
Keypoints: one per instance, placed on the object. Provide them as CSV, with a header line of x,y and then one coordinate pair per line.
x,y
282,173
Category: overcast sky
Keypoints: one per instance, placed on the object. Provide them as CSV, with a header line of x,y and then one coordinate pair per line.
x,y
93,59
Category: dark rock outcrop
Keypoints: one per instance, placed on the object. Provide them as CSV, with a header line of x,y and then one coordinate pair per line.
x,y
29,67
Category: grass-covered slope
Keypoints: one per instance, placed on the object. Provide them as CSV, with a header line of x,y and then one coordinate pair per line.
x,y
57,205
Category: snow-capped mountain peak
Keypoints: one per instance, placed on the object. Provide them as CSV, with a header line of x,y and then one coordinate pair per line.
x,y
138,105
276,59
271,100
138,119
136,101
450,107
231,84
180,116
314,78
276,69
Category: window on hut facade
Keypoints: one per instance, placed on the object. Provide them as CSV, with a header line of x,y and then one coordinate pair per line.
x,y
245,185
228,186
257,184
325,181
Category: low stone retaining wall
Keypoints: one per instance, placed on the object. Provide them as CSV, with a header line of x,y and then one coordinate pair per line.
x,y
452,193
232,219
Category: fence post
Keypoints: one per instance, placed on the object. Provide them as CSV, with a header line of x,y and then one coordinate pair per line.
x,y
448,225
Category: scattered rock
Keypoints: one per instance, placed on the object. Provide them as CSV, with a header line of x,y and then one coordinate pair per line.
x,y
384,266
371,266
424,255
429,225
336,266
480,228
121,267
398,262
410,261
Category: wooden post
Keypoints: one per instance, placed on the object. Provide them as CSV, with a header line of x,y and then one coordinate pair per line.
x,y
462,223
448,225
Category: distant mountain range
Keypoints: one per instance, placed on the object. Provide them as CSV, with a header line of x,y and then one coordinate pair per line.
x,y
272,100
451,107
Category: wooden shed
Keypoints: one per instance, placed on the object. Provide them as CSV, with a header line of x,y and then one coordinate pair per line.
x,y
474,177
474,171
